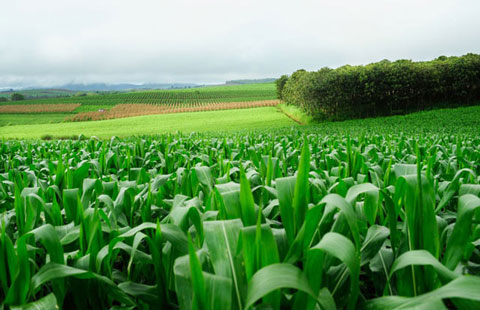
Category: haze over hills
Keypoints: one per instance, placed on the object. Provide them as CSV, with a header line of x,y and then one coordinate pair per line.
x,y
110,87
125,86
250,81
75,87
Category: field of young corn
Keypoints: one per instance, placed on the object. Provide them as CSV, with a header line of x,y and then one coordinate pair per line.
x,y
189,96
138,109
286,220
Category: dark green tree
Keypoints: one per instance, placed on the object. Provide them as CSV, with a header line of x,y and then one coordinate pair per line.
x,y
280,83
385,88
17,97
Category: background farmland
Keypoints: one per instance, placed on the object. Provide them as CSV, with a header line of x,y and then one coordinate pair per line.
x,y
225,93
116,105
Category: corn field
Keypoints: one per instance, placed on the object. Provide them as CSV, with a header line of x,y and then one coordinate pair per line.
x,y
38,108
204,95
276,220
138,109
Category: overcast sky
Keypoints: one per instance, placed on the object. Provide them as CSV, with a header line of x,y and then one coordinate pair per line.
x,y
51,42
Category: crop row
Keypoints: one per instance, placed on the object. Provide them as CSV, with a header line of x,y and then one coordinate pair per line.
x,y
128,110
38,108
202,95
278,220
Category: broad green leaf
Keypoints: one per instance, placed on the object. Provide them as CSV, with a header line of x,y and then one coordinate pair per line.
x,y
171,233
457,242
52,271
371,202
464,287
259,252
218,290
423,258
301,192
48,302
246,201
221,239
204,176
340,247
347,210
17,294
145,292
274,277
285,188
198,282
376,236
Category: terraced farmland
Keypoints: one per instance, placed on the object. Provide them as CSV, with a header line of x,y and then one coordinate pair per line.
x,y
118,105
37,108
39,93
375,217
214,94
131,109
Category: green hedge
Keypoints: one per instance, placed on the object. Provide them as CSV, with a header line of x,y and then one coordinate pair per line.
x,y
384,88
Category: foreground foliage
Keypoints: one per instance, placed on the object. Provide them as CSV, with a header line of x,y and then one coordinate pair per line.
x,y
289,219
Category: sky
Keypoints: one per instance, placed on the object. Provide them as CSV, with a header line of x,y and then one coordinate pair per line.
x,y
53,42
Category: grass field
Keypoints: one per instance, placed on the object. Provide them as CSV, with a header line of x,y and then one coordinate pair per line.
x,y
444,120
464,120
25,119
226,120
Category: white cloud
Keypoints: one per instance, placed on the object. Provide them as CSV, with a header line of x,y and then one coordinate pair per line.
x,y
52,41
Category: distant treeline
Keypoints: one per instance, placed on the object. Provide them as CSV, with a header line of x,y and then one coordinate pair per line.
x,y
34,94
250,81
383,88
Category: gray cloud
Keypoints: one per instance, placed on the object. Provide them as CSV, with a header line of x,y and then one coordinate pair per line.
x,y
52,42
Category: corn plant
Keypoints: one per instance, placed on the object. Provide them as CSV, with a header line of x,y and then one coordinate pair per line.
x,y
297,220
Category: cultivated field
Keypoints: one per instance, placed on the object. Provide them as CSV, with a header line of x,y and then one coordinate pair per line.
x,y
225,120
131,109
107,106
214,94
29,119
37,108
374,214
39,93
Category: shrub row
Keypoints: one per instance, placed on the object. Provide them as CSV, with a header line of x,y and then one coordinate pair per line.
x,y
383,88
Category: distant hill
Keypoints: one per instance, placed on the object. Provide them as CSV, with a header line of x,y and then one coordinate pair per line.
x,y
251,81
79,89
69,90
38,93
125,86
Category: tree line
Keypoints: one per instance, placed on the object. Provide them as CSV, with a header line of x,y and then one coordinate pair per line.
x,y
383,88
13,97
